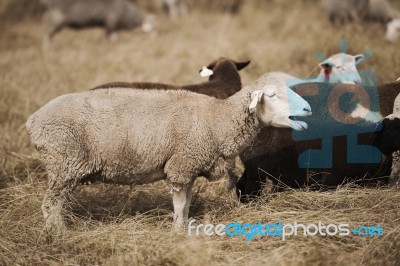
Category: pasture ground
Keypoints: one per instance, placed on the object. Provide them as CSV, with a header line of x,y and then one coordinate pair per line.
x,y
117,225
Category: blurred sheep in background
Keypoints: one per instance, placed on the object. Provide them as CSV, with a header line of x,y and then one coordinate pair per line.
x,y
366,10
112,15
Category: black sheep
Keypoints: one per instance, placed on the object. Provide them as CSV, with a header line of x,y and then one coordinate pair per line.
x,y
275,153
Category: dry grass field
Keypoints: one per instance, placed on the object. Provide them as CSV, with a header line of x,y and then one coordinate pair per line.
x,y
117,225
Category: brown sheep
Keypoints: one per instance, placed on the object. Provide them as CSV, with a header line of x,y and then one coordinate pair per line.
x,y
224,80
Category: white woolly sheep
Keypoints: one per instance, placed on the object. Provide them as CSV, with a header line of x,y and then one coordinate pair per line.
x,y
127,136
339,68
224,81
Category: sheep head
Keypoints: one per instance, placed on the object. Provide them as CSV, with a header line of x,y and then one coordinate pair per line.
x,y
341,68
222,66
279,106
393,30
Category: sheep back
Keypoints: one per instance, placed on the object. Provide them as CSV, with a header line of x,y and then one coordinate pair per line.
x,y
120,133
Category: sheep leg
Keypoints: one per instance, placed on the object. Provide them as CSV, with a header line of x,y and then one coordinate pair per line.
x,y
241,186
54,205
180,177
62,181
171,8
189,195
181,200
183,8
394,178
232,173
332,18
111,25
53,21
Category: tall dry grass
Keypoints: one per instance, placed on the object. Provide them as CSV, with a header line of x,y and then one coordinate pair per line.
x,y
129,226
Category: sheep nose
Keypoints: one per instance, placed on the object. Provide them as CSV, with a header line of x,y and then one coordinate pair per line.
x,y
307,110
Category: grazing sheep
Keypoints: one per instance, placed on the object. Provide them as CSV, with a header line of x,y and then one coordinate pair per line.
x,y
113,15
360,9
127,136
339,68
224,80
393,30
378,10
263,158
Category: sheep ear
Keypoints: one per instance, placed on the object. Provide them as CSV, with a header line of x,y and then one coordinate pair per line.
x,y
359,58
241,65
205,72
255,99
326,65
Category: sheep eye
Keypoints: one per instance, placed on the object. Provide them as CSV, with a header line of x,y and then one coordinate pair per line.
x,y
272,95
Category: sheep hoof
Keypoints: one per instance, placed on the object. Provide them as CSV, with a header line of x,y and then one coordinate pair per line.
x,y
113,37
394,181
233,178
231,184
54,214
54,227
180,225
